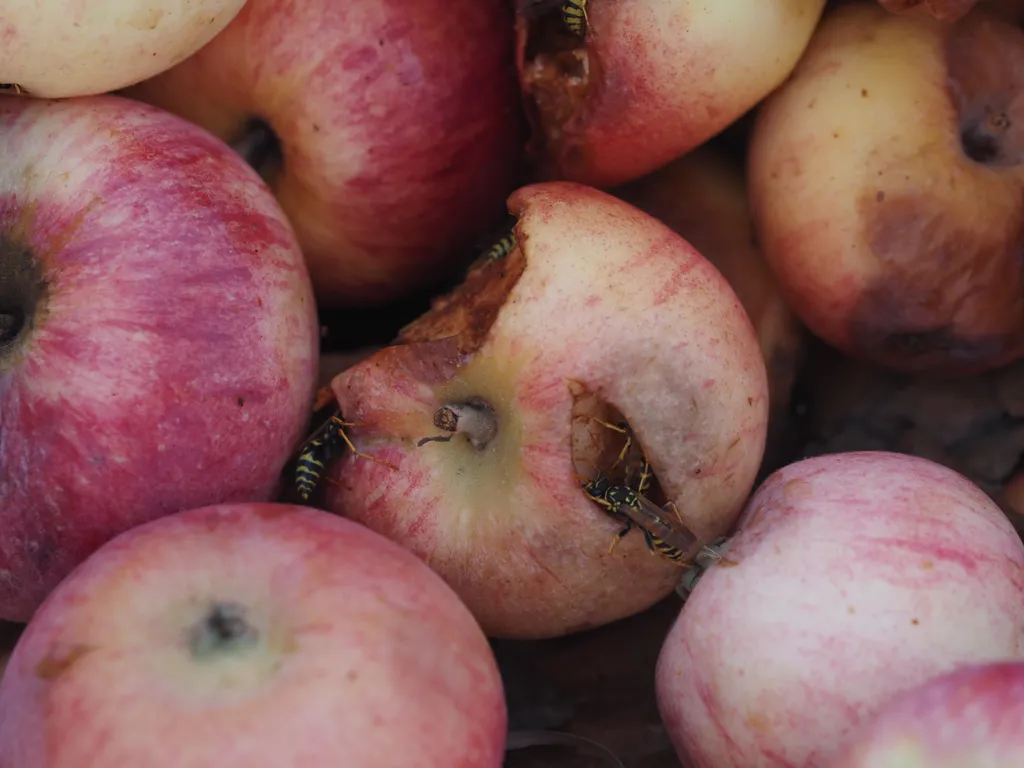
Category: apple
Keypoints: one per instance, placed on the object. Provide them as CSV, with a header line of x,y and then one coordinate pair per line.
x,y
886,191
61,48
252,634
856,576
599,312
673,72
944,10
703,197
158,334
398,127
973,716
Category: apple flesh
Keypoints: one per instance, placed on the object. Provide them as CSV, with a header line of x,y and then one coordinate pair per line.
x,y
158,335
672,71
398,125
703,197
600,311
973,716
252,634
62,48
858,576
897,238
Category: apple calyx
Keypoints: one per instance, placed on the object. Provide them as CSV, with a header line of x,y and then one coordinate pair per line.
x,y
222,630
22,295
260,147
475,418
556,71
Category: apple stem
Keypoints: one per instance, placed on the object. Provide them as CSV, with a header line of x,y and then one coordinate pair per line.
x,y
475,418
223,629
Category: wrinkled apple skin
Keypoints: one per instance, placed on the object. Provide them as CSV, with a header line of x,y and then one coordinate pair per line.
x,y
859,575
62,48
973,717
673,72
361,657
703,197
173,358
889,241
611,299
399,121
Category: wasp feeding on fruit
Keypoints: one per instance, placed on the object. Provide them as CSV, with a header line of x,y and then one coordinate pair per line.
x,y
574,16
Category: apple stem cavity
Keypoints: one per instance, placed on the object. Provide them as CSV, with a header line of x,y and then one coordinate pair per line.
x,y
22,289
475,418
260,147
222,630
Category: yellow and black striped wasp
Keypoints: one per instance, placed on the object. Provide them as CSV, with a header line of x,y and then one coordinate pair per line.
x,y
320,449
574,16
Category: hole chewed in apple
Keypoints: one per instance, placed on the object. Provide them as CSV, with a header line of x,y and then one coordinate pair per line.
x,y
560,330
22,295
261,148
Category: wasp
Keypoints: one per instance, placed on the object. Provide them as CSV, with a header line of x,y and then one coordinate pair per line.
x,y
498,250
320,449
13,88
574,16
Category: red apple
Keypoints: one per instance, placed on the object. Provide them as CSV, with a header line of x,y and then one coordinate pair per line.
x,y
973,716
944,10
858,576
600,311
398,122
252,634
158,336
886,188
650,79
703,197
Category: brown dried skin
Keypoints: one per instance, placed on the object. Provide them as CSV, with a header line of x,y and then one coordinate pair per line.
x,y
601,310
943,10
898,239
703,197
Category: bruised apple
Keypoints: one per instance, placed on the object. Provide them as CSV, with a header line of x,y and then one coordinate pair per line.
x,y
61,48
252,635
488,408
973,716
158,336
886,186
703,197
390,130
673,72
857,576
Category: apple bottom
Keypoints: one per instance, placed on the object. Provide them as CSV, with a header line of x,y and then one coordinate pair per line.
x,y
251,635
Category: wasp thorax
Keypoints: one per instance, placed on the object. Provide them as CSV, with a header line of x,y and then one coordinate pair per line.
x,y
22,289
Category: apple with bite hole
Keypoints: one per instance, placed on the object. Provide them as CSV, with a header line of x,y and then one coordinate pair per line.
x,y
973,716
851,578
886,184
61,48
158,334
252,635
703,197
391,131
490,409
671,71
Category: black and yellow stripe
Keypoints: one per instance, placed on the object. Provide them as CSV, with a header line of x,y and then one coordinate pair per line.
x,y
574,16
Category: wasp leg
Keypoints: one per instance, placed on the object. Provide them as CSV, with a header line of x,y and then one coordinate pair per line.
x,y
621,428
352,448
645,477
620,536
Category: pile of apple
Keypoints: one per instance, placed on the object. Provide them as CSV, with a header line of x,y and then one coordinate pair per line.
x,y
186,189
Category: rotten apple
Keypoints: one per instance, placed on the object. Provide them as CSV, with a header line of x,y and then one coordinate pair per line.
x,y
703,197
489,407
158,335
390,130
855,576
252,635
886,186
673,72
61,48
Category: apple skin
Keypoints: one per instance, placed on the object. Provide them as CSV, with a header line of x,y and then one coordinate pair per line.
x,y
943,10
859,575
973,716
672,71
888,240
609,299
358,655
64,48
400,144
703,197
169,360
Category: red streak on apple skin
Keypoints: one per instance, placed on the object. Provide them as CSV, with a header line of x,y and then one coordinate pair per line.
x,y
175,360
